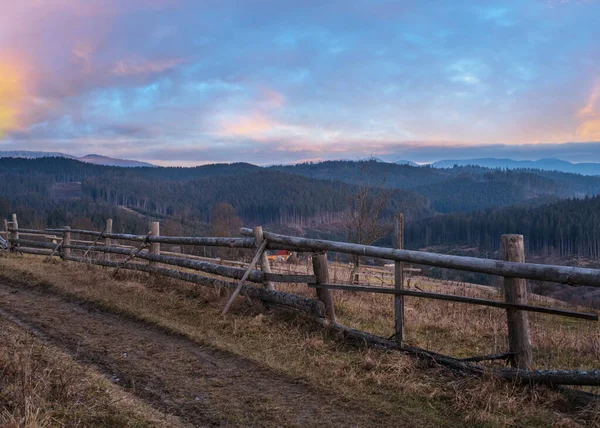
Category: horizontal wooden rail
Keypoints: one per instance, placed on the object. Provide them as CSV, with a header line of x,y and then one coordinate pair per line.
x,y
551,273
460,299
31,231
36,251
32,243
304,304
213,268
175,240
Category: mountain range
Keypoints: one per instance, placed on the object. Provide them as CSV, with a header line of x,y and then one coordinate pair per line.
x,y
541,164
91,158
550,164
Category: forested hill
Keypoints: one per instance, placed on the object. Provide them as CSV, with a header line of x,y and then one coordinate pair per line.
x,y
51,191
464,188
565,228
58,191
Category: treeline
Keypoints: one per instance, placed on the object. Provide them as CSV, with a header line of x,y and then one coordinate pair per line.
x,y
565,228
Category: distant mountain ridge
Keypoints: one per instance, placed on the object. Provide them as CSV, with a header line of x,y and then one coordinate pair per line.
x,y
542,164
91,158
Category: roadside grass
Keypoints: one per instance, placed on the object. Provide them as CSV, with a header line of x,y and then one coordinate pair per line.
x,y
40,386
390,382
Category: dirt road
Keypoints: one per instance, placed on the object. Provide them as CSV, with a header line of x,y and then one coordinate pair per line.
x,y
200,385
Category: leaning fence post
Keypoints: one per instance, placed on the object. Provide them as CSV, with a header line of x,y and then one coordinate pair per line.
x,y
107,241
264,258
515,291
66,243
399,281
321,270
155,231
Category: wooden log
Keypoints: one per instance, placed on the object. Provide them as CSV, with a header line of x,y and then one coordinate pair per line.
x,y
209,259
515,292
461,299
549,377
264,259
399,281
321,271
66,241
179,240
560,274
215,269
28,231
304,304
36,251
155,231
255,260
108,241
291,278
492,357
35,244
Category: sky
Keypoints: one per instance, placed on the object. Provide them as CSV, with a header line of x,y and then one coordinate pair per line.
x,y
186,82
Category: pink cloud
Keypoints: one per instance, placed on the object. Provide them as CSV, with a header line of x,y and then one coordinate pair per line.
x,y
135,67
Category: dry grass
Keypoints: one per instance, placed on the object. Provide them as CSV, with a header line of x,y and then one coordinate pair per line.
x,y
386,381
459,329
40,386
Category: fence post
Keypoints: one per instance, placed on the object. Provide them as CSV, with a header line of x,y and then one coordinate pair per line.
x,y
264,258
107,241
15,234
321,270
399,280
66,252
515,291
154,231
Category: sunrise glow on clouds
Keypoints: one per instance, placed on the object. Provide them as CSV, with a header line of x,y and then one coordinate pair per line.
x,y
188,82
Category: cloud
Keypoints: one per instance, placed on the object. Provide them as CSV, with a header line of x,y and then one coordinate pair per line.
x,y
298,80
133,67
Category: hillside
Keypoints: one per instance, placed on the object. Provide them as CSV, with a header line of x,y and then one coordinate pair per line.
x,y
255,365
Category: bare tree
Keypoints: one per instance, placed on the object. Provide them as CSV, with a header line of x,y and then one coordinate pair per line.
x,y
224,221
363,222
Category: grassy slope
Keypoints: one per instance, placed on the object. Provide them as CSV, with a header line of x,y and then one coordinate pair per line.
x,y
386,381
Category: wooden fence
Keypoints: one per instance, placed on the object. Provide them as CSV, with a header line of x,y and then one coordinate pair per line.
x,y
105,250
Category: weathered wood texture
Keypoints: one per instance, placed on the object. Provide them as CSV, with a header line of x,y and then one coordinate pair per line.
x,y
15,225
155,231
66,251
33,243
213,268
108,241
321,271
515,292
399,281
561,274
36,251
460,299
173,240
264,258
304,304
242,282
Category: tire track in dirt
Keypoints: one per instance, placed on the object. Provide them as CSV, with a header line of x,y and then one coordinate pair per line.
x,y
201,385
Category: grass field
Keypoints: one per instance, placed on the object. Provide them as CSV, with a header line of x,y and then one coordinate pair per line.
x,y
387,382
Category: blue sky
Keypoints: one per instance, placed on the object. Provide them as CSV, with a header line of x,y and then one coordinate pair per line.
x,y
190,82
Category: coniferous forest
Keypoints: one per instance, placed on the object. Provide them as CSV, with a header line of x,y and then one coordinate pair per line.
x,y
461,206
